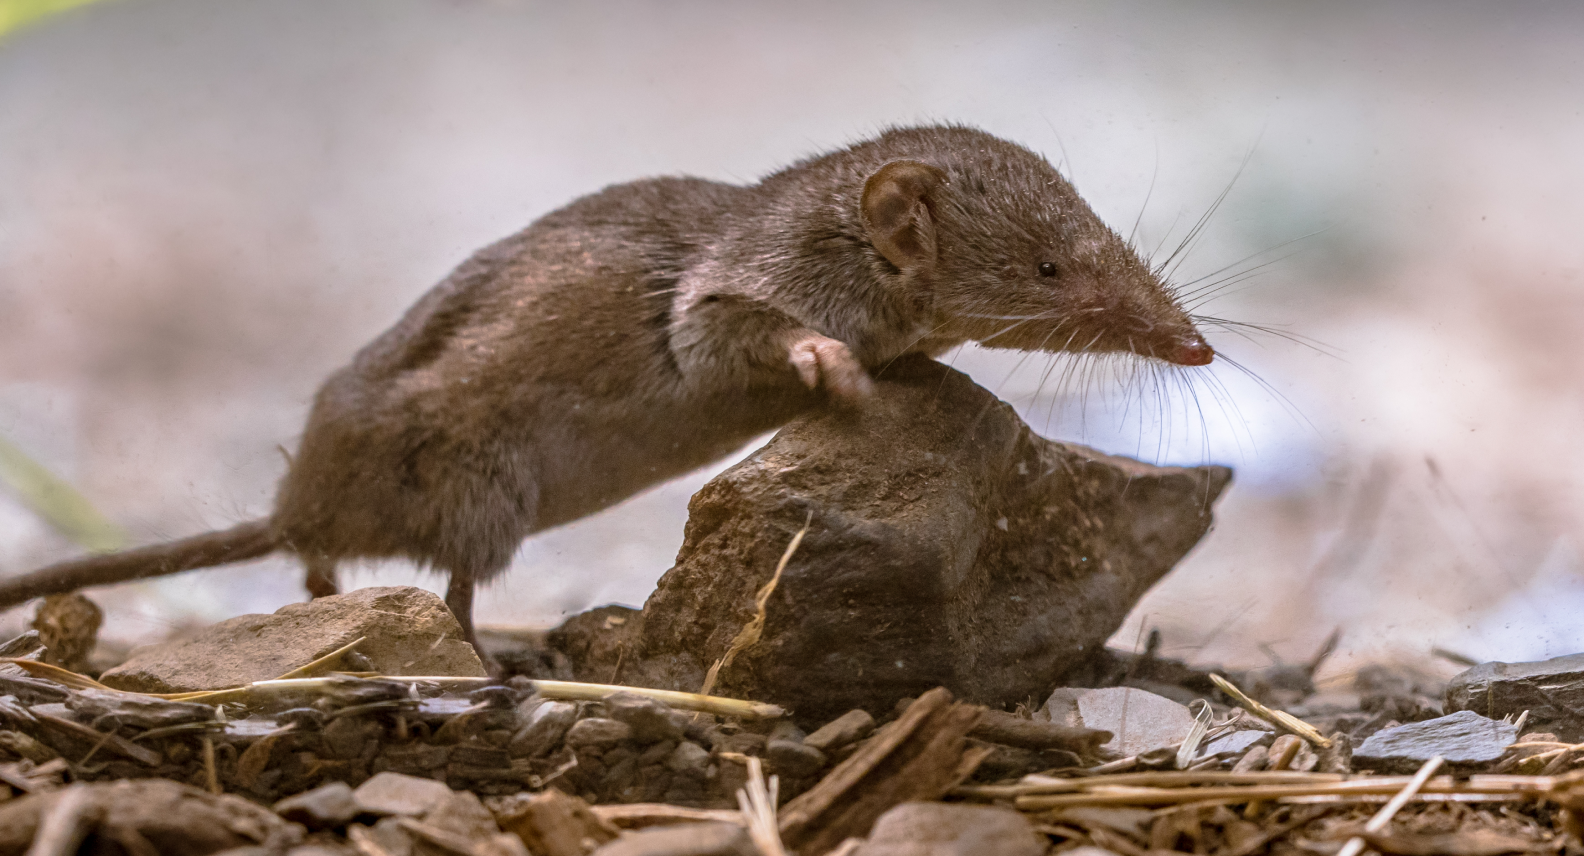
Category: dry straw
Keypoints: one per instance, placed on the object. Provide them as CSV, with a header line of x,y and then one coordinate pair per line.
x,y
749,635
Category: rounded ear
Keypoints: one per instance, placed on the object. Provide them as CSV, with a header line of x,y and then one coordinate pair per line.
x,y
897,216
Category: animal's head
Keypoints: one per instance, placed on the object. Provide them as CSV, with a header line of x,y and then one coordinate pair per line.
x,y
1012,256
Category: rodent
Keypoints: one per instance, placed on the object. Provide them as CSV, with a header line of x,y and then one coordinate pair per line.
x,y
653,327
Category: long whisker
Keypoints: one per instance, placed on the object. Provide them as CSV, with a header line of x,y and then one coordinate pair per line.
x,y
1154,174
1244,328
1167,266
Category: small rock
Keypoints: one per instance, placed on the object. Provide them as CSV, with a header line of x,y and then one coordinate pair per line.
x,y
1551,690
68,625
687,757
309,849
687,839
650,720
552,823
597,733
850,727
462,813
324,807
164,817
1139,721
946,829
1465,739
408,631
543,730
743,743
387,835
794,760
136,710
1236,743
909,580
400,794
786,729
348,737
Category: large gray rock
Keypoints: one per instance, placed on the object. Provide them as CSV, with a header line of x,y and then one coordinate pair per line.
x,y
409,632
949,546
1466,740
1551,690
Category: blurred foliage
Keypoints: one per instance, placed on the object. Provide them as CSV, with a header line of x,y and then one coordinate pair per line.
x,y
15,14
57,502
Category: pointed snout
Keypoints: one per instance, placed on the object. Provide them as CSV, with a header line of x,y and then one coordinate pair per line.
x,y
1191,350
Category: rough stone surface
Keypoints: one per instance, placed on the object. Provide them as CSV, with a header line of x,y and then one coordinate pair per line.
x,y
324,807
650,720
687,757
1237,743
794,760
1464,739
400,794
944,829
850,727
1551,690
171,818
597,733
688,839
543,729
409,632
949,546
1138,720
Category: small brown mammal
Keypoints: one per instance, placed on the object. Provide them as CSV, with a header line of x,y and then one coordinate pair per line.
x,y
653,327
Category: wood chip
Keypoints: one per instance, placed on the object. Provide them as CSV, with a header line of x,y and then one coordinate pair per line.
x,y
920,756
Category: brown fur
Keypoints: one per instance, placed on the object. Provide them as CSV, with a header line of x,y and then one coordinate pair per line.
x,y
653,327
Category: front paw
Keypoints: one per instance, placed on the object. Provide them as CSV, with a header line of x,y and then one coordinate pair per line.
x,y
823,361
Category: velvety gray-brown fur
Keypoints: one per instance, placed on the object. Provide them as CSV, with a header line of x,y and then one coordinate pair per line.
x,y
653,327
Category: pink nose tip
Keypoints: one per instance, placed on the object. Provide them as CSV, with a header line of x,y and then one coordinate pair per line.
x,y
1192,351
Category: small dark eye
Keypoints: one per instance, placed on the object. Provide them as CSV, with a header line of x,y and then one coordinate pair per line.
x,y
1047,269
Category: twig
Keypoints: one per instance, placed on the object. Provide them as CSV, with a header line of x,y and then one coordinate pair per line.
x,y
211,774
1279,718
1355,845
750,633
65,826
1476,787
308,669
757,802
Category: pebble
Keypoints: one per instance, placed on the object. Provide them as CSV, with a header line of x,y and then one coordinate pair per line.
x,y
947,829
597,733
688,839
1236,743
850,727
324,807
1138,720
650,720
400,794
794,760
688,757
543,729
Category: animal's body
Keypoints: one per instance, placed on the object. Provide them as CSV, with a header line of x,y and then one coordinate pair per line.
x,y
653,327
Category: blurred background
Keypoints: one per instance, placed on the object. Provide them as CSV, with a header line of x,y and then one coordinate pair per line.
x,y
208,205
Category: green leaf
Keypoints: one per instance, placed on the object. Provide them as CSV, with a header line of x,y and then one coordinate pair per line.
x,y
56,501
15,14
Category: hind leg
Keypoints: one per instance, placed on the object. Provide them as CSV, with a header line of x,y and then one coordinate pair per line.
x,y
321,577
459,599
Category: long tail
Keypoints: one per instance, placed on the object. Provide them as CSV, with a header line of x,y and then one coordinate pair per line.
x,y
239,543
